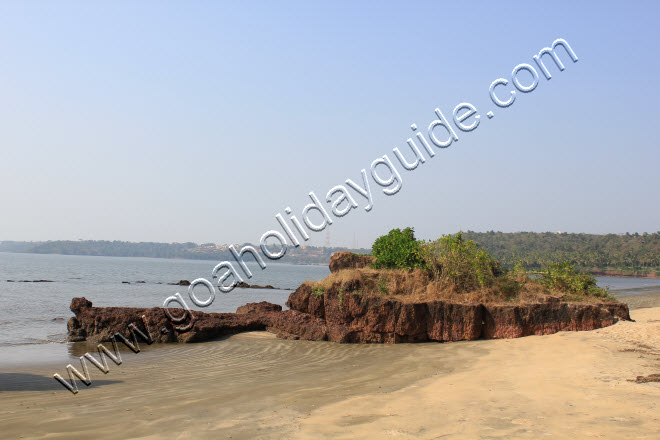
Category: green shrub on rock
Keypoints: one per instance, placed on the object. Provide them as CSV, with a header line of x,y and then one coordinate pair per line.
x,y
461,262
397,250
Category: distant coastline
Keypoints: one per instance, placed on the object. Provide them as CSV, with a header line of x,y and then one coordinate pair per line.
x,y
312,255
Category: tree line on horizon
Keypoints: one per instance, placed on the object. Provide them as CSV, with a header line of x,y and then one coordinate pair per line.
x,y
636,253
188,250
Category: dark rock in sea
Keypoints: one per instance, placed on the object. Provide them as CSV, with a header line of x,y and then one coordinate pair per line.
x,y
32,281
244,285
349,260
180,283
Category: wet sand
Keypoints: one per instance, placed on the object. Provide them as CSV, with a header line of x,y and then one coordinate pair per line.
x,y
567,385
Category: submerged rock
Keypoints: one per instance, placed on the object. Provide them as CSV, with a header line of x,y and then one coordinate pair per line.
x,y
32,281
180,283
245,285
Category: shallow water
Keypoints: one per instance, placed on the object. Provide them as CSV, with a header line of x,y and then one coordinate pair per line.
x,y
629,286
37,313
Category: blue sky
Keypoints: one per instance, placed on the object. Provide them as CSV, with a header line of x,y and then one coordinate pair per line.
x,y
199,121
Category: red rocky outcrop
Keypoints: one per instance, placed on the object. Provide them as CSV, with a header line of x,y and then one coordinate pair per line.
x,y
352,317
97,324
349,260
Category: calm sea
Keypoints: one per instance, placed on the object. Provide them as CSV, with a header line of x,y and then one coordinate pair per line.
x,y
36,313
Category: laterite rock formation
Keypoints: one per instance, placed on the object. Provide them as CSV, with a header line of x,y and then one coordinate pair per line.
x,y
351,317
341,315
98,324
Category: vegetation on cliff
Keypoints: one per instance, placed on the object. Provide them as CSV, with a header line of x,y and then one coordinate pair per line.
x,y
456,269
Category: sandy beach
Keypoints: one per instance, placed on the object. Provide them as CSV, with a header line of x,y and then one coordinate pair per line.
x,y
567,385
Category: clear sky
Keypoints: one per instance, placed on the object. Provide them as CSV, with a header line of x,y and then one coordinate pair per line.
x,y
199,121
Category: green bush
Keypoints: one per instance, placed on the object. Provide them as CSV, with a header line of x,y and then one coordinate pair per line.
x,y
397,250
562,277
461,262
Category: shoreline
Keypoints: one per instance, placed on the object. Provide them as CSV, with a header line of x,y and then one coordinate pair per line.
x,y
252,385
621,275
55,353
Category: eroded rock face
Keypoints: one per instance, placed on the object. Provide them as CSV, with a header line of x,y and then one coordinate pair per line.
x,y
512,321
97,324
351,317
349,260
